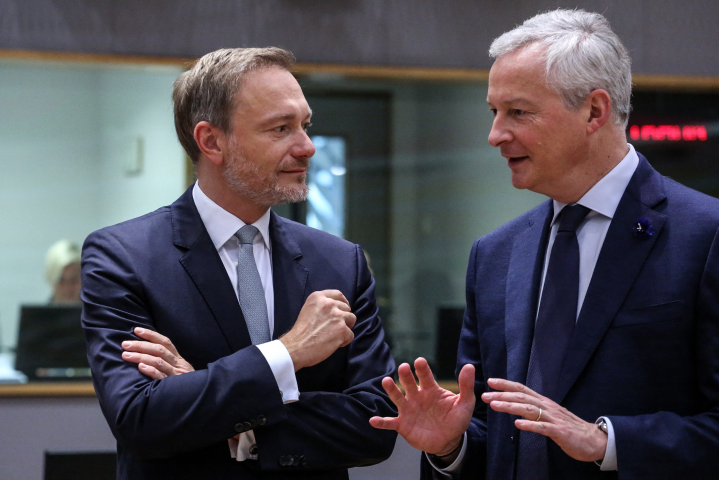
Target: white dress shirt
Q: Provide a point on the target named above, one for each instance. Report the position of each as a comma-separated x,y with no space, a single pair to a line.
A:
221,225
602,200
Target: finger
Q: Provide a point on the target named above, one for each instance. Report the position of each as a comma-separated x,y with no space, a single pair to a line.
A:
350,319
336,295
155,337
543,428
385,423
466,384
148,348
526,410
509,386
155,362
349,336
342,306
394,393
406,379
424,373
150,371
512,397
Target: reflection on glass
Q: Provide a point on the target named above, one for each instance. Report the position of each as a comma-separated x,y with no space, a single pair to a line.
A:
326,179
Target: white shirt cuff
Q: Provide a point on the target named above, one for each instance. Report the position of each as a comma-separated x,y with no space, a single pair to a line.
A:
609,464
456,465
282,368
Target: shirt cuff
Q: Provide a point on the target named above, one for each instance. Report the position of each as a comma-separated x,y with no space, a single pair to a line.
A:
609,464
456,466
282,368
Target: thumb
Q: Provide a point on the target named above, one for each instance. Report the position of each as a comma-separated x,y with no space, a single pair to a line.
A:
466,384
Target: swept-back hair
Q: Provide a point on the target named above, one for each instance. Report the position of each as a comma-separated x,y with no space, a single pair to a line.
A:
582,54
206,91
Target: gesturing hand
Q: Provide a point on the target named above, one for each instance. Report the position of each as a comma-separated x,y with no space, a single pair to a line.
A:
430,418
157,358
580,440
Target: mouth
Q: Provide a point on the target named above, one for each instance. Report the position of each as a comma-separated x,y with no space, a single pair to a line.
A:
516,160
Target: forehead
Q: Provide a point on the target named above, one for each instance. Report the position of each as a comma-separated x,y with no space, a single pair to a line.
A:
518,74
268,90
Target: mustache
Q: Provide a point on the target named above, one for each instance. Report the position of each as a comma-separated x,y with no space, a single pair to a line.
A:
292,164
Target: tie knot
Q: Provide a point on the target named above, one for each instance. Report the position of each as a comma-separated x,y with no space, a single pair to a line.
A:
571,217
247,234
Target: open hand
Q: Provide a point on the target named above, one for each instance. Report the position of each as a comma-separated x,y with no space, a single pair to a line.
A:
157,357
430,418
580,440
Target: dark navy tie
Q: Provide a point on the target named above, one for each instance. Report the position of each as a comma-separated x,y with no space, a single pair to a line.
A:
552,332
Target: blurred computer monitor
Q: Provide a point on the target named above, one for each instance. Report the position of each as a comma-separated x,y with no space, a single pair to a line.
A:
51,343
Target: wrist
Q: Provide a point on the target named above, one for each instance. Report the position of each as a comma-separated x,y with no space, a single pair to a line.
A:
451,450
602,436
293,351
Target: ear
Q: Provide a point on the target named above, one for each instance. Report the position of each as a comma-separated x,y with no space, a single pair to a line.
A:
211,141
600,110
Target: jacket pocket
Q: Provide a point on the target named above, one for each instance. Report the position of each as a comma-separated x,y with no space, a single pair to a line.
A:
650,314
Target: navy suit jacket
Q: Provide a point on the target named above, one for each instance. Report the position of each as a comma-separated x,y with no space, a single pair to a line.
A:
161,271
645,351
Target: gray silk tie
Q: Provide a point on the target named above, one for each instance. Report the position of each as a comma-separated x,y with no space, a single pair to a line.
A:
249,286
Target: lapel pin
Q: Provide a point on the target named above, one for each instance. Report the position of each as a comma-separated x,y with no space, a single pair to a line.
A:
642,228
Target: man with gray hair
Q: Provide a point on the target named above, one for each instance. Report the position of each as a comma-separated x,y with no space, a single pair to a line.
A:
283,351
592,321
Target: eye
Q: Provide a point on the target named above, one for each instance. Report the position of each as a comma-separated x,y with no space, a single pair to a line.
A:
494,111
517,112
306,126
281,128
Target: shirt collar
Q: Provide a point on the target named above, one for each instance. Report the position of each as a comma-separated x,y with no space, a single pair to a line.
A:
221,225
605,195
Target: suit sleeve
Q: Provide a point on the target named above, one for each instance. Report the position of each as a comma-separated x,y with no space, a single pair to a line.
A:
474,461
664,445
331,429
178,414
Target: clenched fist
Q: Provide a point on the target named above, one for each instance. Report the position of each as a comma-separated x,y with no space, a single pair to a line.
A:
324,325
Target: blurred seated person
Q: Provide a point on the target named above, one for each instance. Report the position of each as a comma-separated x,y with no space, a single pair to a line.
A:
62,271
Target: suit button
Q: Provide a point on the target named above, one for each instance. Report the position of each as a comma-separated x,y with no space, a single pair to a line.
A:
303,460
247,426
285,460
261,420
239,428
253,449
253,423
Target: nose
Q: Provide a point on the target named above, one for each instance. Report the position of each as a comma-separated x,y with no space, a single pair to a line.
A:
304,148
499,133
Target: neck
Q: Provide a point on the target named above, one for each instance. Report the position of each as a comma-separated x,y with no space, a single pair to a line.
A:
602,156
219,192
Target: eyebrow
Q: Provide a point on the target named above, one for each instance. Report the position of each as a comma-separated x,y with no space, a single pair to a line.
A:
288,116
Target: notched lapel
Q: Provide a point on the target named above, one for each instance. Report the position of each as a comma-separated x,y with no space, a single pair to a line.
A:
621,259
523,277
203,265
289,276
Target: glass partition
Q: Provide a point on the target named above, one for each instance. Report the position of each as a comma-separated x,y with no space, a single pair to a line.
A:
402,168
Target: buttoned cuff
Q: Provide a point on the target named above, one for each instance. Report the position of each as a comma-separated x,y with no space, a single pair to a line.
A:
456,466
609,464
282,368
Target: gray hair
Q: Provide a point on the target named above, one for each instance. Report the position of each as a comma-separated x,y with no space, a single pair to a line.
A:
206,91
582,54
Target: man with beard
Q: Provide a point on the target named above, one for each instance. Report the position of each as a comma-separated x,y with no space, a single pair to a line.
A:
283,350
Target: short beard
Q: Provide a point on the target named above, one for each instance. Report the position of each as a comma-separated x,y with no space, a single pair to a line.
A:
247,180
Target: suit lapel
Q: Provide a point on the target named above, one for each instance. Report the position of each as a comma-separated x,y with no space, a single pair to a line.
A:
289,276
621,259
203,265
523,278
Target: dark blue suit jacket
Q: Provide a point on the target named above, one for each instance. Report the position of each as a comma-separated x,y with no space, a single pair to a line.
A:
161,271
645,352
